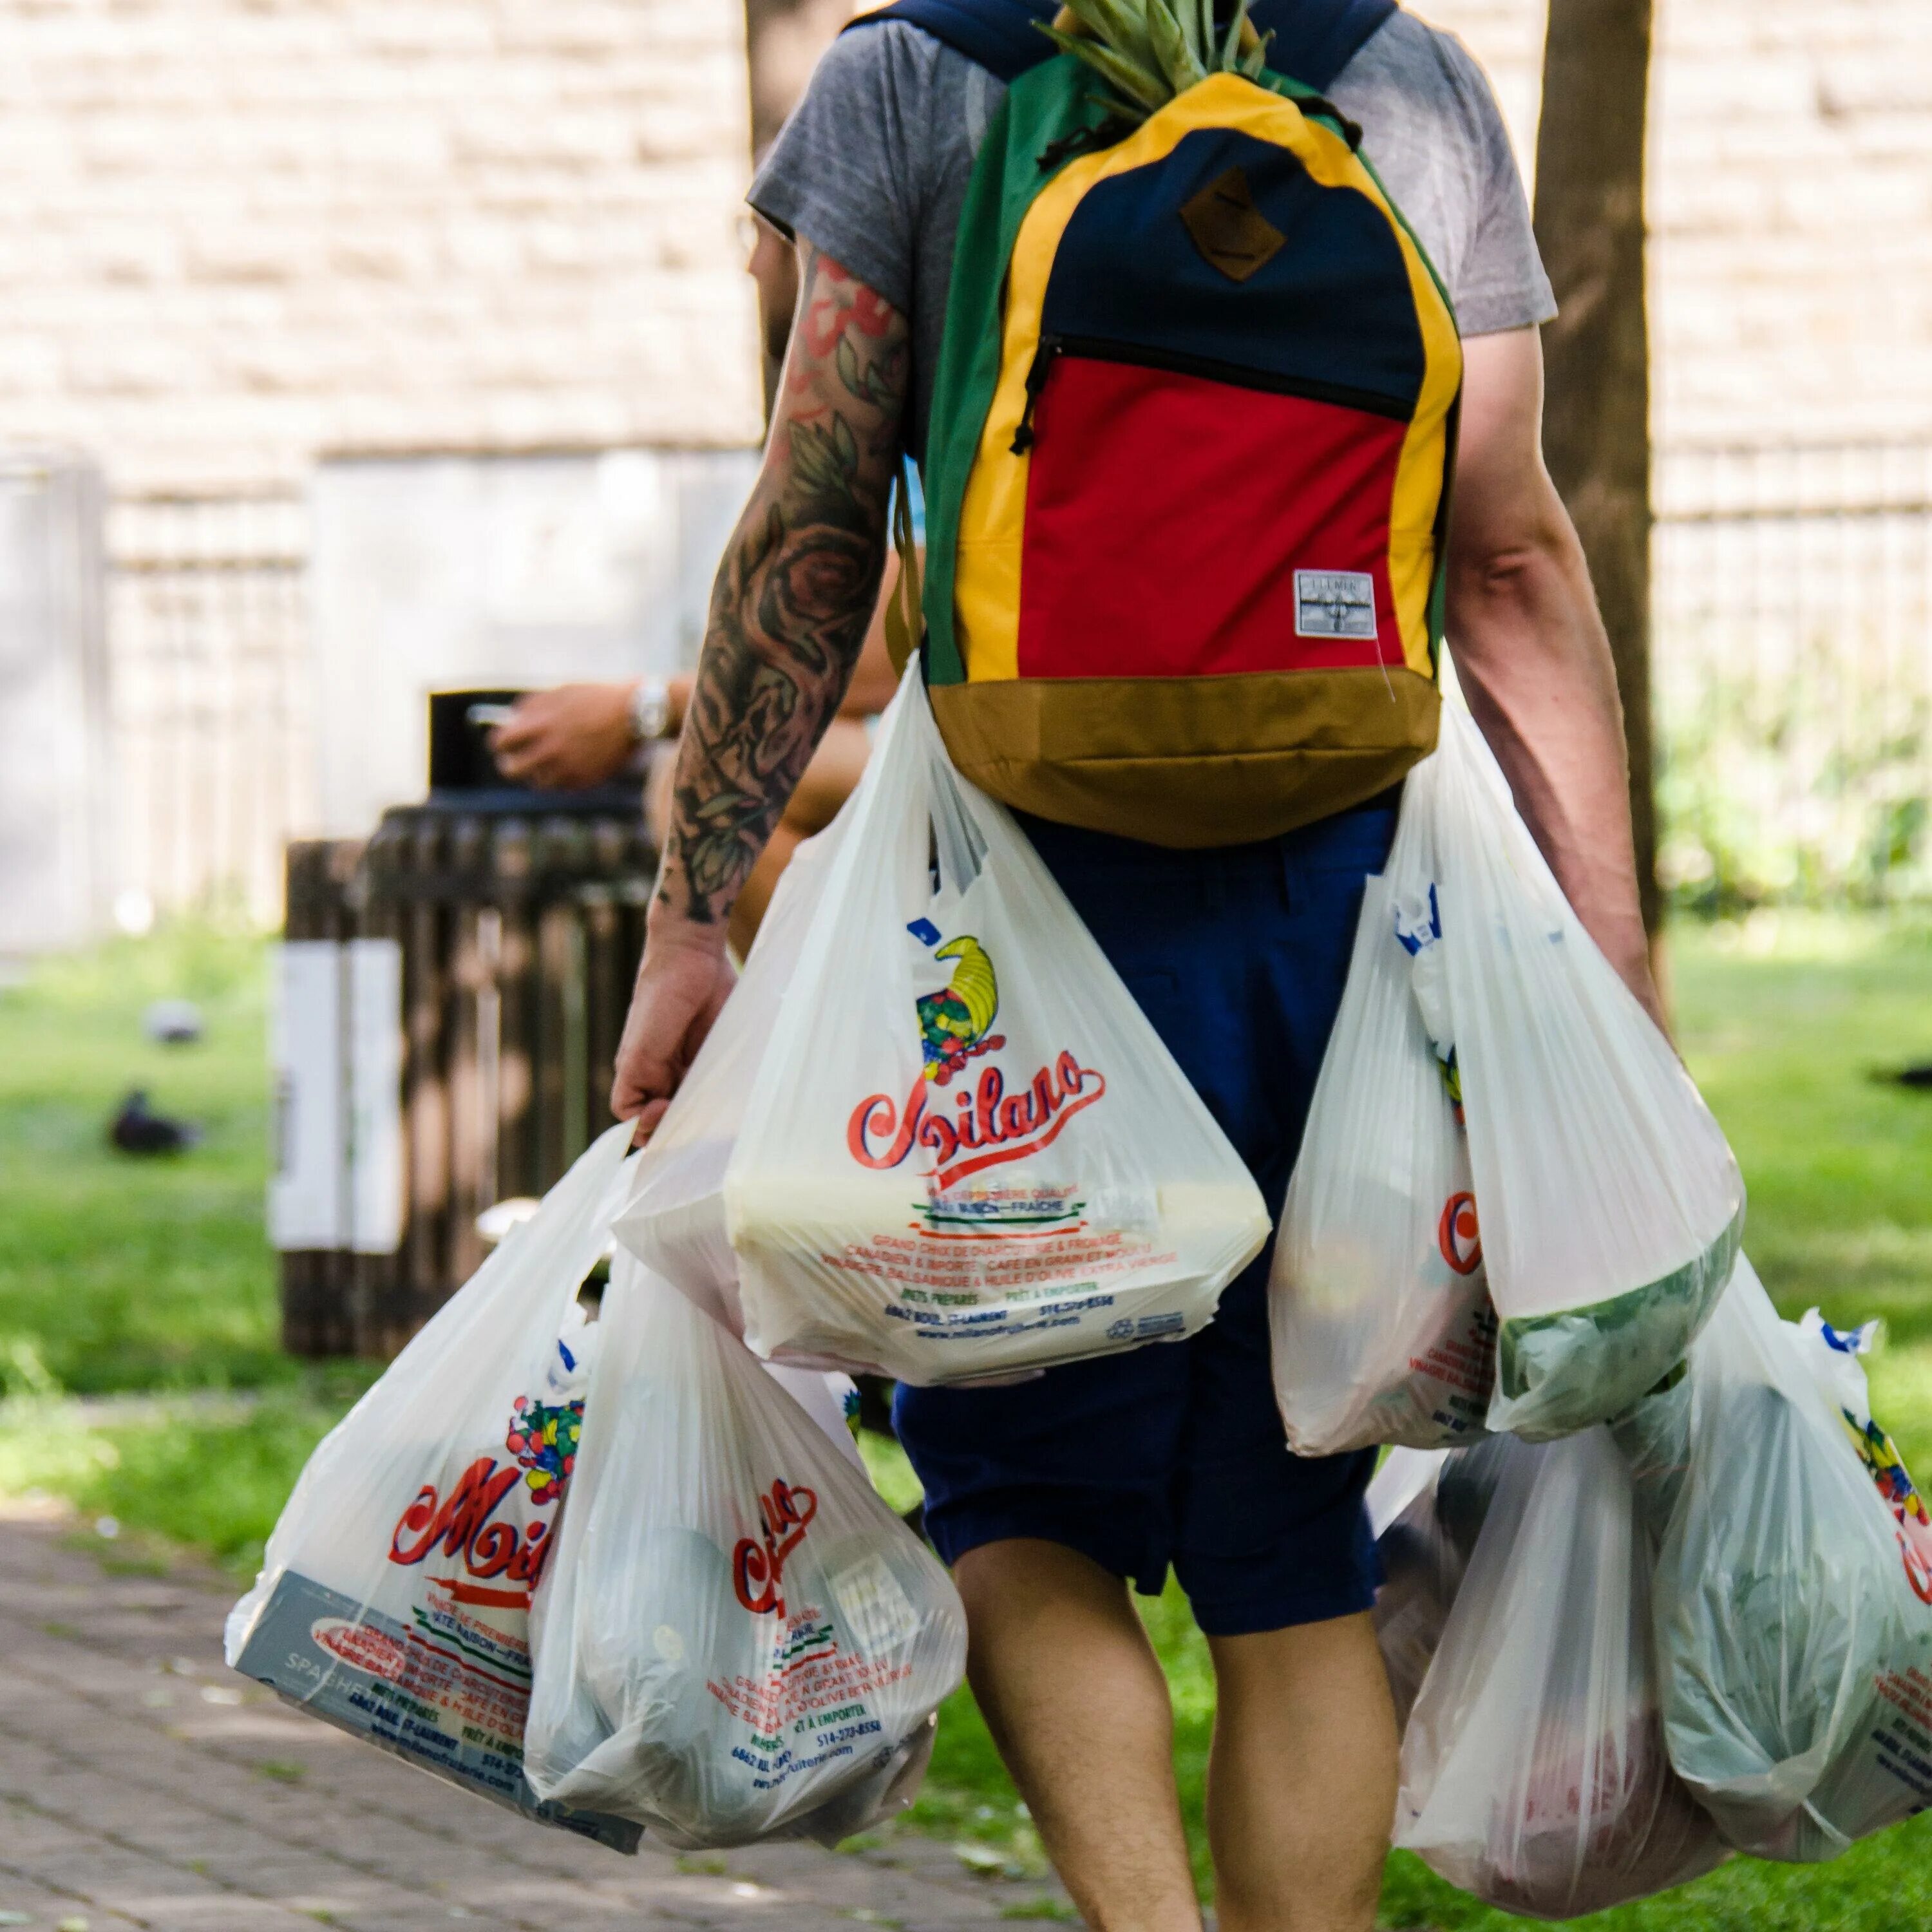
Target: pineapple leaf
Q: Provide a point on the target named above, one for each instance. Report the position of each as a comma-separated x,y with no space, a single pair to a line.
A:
1117,26
1170,47
1122,75
1230,47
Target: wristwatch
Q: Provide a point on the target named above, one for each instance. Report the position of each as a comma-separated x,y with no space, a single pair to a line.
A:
650,709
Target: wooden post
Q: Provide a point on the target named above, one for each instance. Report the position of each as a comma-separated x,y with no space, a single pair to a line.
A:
378,1303
304,1282
518,1168
426,996
564,1032
317,1283
467,989
1590,227
607,971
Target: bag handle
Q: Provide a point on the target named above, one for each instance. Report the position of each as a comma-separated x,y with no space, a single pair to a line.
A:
904,611
958,845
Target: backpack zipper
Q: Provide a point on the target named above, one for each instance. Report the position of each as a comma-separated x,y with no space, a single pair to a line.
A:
1097,349
1049,346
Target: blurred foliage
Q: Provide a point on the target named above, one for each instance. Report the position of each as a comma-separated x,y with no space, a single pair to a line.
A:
1808,790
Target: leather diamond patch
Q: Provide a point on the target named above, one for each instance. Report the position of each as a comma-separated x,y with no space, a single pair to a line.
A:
1232,234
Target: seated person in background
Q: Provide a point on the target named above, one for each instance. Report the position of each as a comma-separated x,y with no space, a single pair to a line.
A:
580,735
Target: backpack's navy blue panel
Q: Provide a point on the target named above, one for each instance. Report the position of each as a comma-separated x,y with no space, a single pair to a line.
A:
1333,306
999,35
1315,40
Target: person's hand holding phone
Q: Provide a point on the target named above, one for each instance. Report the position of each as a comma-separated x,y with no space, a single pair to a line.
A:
568,739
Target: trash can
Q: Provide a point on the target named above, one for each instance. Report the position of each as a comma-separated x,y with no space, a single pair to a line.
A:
450,993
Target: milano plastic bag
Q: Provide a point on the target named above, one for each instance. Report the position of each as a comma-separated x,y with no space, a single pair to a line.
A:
1379,1304
1794,1592
965,1152
1612,1209
394,1598
741,1642
1533,1770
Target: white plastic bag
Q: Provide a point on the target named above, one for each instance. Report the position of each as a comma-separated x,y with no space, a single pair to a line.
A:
1378,1299
1533,1771
394,1597
1426,1508
1836,1360
1794,1592
741,1641
1612,1209
675,1217
966,1152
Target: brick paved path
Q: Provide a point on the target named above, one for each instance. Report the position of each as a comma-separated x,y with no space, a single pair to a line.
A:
141,1783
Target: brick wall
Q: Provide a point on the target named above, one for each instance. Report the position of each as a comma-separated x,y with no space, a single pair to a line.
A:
237,234
234,234
1791,206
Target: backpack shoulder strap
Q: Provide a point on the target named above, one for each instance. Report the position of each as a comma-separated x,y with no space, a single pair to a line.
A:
999,35
1315,40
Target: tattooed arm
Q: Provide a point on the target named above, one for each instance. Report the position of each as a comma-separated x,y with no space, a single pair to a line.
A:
788,617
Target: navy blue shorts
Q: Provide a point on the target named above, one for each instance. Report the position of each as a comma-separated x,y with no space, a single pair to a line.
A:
1174,1453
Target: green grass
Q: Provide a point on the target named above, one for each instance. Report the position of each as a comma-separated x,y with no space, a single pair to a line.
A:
120,1275
1839,1164
117,1272
212,1479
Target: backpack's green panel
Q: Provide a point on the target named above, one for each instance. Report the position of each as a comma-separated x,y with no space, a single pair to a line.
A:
1042,107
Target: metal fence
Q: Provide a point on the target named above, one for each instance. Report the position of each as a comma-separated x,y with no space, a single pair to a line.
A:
1792,668
207,636
1792,672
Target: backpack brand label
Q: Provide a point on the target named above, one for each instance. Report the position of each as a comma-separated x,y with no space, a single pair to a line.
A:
1334,604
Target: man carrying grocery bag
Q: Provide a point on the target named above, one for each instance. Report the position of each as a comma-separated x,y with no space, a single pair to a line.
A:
1185,375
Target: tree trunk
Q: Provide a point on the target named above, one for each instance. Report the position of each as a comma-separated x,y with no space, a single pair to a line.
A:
1596,435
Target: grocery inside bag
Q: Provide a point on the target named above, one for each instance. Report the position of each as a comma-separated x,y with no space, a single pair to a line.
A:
1534,1773
1610,1207
741,1641
395,1595
932,1133
1378,1298
1794,1590
1426,1508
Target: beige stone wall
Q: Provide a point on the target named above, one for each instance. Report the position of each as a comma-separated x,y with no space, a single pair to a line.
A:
1791,206
1792,210
235,235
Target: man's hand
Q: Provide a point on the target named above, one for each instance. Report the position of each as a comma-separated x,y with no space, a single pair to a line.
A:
788,617
566,739
1532,654
682,985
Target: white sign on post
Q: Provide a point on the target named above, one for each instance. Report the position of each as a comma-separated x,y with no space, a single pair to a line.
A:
305,1190
375,1096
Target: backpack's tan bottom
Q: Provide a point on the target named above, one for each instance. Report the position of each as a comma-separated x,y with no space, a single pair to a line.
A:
1189,761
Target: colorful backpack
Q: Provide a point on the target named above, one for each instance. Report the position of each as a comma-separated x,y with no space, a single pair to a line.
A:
1187,472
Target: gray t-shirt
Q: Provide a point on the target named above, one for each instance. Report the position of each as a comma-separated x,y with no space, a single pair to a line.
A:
872,168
